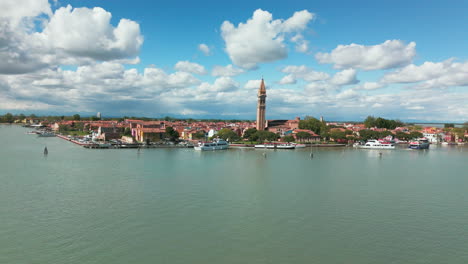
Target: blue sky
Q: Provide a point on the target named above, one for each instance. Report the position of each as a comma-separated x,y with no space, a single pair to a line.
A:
342,60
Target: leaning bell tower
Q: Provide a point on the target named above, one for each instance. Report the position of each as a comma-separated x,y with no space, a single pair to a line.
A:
261,105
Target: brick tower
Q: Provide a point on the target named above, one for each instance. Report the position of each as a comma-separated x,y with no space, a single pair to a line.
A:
261,105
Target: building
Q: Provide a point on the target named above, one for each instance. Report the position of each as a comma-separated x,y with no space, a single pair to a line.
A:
261,106
98,115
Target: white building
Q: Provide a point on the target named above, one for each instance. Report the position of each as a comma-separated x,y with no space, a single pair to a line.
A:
433,138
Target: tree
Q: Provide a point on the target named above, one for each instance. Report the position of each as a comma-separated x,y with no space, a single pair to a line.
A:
21,117
127,132
313,124
171,133
264,135
449,125
76,117
199,135
288,138
465,125
250,134
337,134
369,122
228,134
402,135
415,134
8,118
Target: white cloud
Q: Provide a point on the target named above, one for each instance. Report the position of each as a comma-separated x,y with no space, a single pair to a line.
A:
288,79
205,49
228,71
390,54
253,84
344,77
15,11
370,86
191,67
431,75
302,45
69,36
222,84
261,39
88,33
305,73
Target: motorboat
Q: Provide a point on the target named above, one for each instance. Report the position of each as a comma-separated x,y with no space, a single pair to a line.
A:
375,144
420,143
216,144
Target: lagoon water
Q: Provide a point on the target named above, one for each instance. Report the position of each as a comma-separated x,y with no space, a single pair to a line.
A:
181,206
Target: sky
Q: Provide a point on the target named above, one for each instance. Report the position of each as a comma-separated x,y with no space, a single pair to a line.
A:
343,60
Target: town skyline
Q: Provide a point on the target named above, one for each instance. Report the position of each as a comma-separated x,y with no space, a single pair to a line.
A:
206,61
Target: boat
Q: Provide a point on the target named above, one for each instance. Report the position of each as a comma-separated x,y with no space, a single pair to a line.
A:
216,144
420,143
276,146
46,134
375,144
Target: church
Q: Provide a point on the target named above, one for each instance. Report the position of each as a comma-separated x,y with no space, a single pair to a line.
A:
280,127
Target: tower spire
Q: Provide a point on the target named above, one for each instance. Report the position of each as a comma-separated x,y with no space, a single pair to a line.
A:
261,106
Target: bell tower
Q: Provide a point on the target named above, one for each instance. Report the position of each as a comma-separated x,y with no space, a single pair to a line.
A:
261,105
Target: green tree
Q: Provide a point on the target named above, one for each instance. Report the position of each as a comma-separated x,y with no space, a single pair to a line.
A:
465,125
337,134
402,135
251,134
127,132
76,117
228,134
369,121
415,134
8,118
171,134
288,138
449,125
21,117
313,124
199,135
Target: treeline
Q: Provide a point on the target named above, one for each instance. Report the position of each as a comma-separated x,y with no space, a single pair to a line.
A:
380,122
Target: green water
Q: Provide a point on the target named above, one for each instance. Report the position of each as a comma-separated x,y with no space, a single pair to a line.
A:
181,206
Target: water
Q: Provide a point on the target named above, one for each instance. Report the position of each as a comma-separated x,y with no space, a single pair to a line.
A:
180,206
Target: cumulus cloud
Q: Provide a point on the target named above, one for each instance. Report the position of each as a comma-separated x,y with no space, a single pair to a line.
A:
302,45
88,33
205,49
344,77
370,86
288,79
253,84
390,54
191,67
222,84
69,36
431,75
228,71
261,39
305,73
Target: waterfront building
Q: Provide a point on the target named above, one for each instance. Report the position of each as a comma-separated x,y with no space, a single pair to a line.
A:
261,106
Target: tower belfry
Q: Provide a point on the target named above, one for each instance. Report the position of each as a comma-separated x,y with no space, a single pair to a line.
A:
261,105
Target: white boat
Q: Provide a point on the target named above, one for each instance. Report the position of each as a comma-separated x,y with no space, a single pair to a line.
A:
276,146
216,144
375,144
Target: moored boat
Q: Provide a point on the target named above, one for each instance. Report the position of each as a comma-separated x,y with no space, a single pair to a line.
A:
375,144
276,146
421,143
216,144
